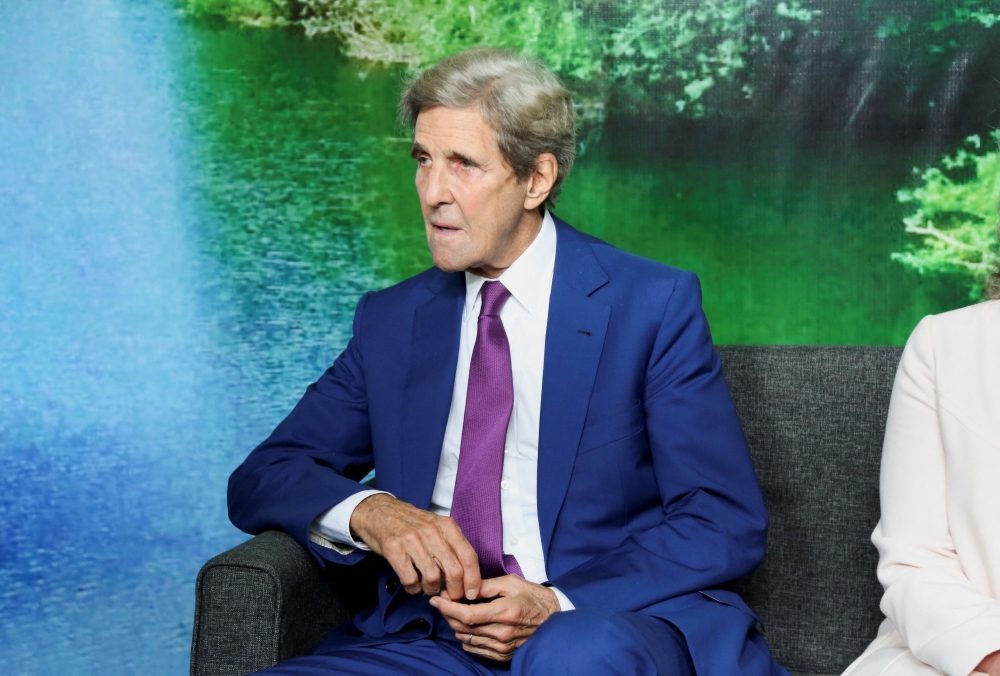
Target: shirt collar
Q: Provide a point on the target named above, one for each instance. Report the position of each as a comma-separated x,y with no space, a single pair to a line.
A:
528,278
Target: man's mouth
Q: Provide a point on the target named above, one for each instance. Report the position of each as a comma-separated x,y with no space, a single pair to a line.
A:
444,227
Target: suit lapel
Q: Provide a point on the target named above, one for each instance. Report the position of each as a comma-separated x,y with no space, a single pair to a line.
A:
574,340
430,380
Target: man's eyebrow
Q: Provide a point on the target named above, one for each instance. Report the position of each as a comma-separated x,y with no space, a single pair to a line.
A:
416,149
464,158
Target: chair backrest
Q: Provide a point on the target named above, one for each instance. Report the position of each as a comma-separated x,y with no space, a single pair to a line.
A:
814,418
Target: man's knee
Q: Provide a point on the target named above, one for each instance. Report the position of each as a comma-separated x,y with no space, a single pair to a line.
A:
597,642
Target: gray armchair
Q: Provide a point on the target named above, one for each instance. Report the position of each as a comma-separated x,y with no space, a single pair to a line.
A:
814,418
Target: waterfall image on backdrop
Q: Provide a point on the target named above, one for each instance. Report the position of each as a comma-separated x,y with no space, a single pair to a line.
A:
195,193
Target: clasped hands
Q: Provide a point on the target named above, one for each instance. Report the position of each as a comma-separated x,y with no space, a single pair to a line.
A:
425,549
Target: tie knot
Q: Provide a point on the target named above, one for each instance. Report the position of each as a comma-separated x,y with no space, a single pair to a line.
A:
494,296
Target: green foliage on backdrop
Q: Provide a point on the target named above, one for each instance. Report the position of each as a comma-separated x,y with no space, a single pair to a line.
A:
668,54
665,58
934,17
956,215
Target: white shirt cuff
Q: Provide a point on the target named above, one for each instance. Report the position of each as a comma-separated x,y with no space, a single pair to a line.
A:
332,528
564,603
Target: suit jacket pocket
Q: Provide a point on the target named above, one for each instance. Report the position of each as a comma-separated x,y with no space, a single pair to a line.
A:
607,429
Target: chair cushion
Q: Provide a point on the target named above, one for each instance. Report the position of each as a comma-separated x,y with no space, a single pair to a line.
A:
814,418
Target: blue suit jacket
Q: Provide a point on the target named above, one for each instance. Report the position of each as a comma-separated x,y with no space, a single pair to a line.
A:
647,498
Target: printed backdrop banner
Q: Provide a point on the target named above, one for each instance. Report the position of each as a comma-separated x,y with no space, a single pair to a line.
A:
195,193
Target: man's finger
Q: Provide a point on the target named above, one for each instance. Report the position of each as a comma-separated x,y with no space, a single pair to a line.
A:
488,647
470,584
423,561
505,585
487,643
451,609
397,558
504,633
441,547
451,582
476,614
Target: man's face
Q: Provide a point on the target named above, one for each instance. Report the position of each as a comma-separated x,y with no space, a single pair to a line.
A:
473,204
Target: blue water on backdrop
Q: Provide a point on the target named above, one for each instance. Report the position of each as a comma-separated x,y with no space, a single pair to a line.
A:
134,373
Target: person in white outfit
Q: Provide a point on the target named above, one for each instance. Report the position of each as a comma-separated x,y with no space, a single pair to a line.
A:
939,535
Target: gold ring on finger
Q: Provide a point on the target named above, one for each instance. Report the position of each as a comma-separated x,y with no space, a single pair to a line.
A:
470,640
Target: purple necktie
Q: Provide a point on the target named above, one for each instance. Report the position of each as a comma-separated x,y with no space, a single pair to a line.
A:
488,404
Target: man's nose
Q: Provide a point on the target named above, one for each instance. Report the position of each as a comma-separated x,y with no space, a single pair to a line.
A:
436,189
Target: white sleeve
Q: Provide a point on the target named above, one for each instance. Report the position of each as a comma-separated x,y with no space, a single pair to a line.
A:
946,622
332,528
564,602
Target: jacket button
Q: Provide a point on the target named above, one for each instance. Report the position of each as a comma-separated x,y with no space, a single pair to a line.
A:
391,585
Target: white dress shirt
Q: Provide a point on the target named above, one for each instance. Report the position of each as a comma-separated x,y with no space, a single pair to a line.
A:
525,319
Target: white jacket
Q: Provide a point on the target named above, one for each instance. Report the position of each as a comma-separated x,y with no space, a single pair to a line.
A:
939,535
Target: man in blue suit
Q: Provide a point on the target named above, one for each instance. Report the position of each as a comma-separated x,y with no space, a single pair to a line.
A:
563,484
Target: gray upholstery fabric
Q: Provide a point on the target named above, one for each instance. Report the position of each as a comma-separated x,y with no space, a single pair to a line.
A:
265,601
814,418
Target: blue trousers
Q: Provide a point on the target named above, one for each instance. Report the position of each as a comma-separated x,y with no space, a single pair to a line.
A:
572,643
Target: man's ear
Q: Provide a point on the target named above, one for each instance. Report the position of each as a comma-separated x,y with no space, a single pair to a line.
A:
540,183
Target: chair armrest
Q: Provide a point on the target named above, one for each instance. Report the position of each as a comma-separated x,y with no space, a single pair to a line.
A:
265,601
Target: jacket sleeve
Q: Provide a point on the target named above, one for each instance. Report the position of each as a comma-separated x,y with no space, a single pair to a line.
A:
945,621
714,524
313,460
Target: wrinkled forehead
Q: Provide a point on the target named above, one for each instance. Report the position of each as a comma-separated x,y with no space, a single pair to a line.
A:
439,129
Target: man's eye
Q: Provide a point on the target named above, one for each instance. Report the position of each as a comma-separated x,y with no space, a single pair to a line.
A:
423,161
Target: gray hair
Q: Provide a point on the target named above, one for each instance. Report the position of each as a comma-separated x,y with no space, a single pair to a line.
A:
518,96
